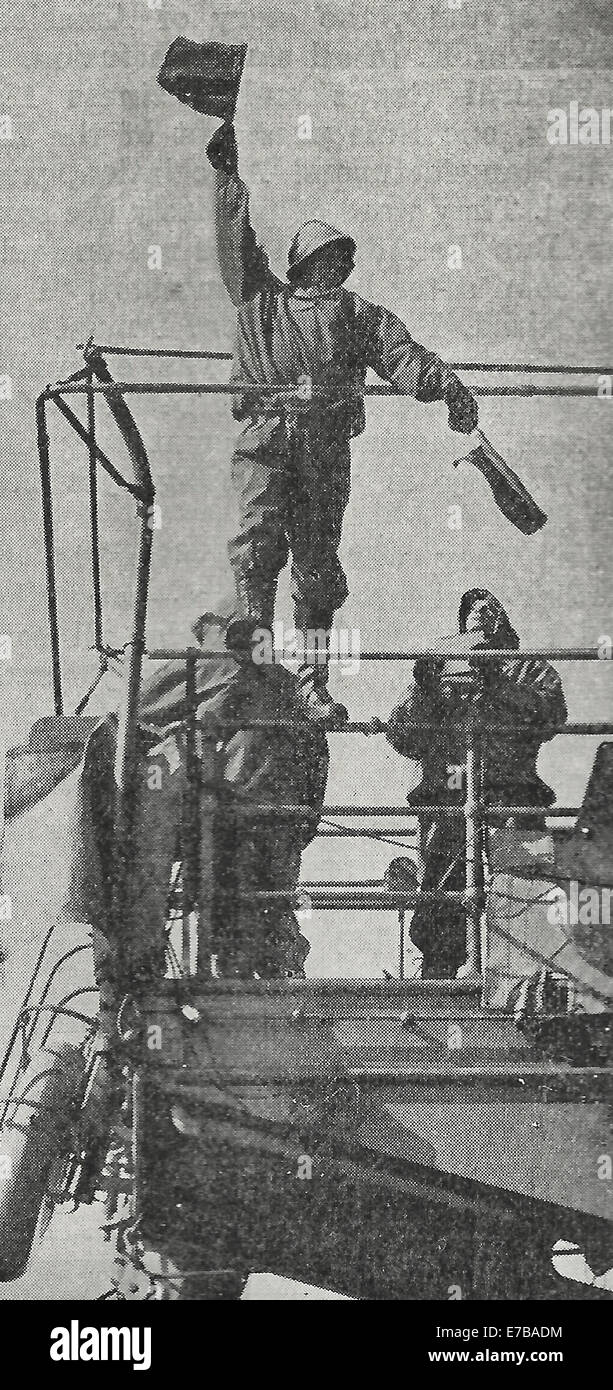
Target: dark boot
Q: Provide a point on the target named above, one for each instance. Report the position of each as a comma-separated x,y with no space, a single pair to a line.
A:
312,678
255,609
255,598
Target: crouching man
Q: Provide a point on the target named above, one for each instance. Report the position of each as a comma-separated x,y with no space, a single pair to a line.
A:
261,752
515,705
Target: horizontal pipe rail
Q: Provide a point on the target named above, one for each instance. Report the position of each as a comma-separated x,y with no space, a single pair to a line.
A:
274,809
340,832
198,353
243,388
511,1074
424,654
526,390
385,899
320,884
520,1073
366,727
206,355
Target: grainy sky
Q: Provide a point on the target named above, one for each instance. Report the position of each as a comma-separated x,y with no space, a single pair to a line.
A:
428,131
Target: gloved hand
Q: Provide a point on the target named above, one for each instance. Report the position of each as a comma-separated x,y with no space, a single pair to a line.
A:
461,689
222,150
463,408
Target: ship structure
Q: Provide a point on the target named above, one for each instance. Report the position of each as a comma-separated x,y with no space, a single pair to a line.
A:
164,1050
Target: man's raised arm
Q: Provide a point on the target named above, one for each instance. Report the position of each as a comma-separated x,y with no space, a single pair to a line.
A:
411,368
243,264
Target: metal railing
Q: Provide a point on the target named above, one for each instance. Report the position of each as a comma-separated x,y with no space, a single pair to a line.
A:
476,810
95,376
95,379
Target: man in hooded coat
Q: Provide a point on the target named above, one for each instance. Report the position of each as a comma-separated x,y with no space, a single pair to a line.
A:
517,704
291,466
244,850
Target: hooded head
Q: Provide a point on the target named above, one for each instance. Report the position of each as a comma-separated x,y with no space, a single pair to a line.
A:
226,630
210,628
318,247
481,611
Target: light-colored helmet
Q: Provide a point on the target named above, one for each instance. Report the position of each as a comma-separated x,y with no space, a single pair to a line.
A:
311,237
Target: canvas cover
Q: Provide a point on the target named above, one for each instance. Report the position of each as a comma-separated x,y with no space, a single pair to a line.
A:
56,865
537,923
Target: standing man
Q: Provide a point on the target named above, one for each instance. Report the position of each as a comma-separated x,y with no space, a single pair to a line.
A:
291,466
516,705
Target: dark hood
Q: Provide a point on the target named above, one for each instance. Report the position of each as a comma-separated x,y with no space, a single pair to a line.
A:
506,635
162,698
212,626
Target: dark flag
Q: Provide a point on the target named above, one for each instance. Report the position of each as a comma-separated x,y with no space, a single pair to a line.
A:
512,497
205,76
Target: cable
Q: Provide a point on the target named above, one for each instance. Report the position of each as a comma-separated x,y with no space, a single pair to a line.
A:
380,838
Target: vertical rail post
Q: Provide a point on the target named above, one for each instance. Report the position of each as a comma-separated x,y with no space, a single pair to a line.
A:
45,481
191,828
207,811
93,511
138,1115
472,816
126,734
2,778
125,758
401,920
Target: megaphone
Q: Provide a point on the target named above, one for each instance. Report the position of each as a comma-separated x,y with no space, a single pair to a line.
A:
511,496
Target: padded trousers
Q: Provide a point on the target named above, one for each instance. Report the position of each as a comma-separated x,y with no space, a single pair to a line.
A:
292,494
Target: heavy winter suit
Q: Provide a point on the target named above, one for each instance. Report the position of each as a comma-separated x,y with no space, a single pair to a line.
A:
524,694
291,467
248,850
